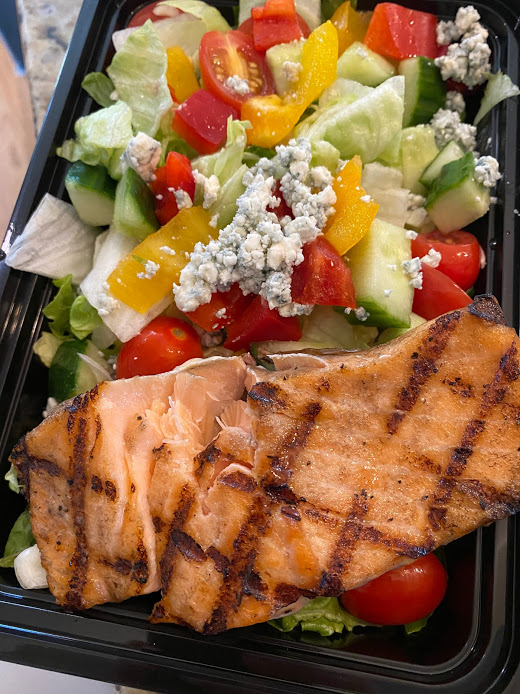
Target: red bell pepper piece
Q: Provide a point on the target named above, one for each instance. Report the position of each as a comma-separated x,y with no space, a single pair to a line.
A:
202,121
175,174
439,294
247,27
322,278
276,22
233,301
397,32
260,323
283,209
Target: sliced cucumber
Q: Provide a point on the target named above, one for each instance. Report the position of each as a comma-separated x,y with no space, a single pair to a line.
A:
92,192
375,265
456,199
276,56
361,64
418,150
134,213
391,333
425,90
450,152
69,375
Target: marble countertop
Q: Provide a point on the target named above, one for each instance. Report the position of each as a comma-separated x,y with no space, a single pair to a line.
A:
46,28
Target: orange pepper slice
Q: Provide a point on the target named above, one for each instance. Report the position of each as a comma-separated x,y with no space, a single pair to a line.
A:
351,25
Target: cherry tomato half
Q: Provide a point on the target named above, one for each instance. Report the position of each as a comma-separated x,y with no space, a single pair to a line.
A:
399,596
439,294
145,13
460,253
160,346
228,55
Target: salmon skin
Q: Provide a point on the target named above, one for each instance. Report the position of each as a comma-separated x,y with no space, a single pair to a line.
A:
338,468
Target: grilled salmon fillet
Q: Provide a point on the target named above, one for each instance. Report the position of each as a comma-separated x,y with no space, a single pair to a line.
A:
338,468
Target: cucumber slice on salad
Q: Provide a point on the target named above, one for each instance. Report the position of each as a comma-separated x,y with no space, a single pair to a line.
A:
69,374
425,90
134,213
418,150
456,199
92,192
276,56
361,64
382,288
450,152
391,333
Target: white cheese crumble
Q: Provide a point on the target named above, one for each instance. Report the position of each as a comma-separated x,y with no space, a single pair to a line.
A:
487,171
468,60
214,221
392,267
210,187
182,199
416,215
447,126
455,102
142,154
107,303
167,250
51,405
221,312
237,85
365,198
255,250
412,235
361,52
433,258
150,270
361,313
387,292
291,70
413,269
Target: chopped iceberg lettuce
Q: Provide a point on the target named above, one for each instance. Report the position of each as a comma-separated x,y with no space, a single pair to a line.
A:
46,347
498,88
11,476
213,20
20,538
327,328
138,72
322,615
100,88
343,87
224,163
224,208
57,311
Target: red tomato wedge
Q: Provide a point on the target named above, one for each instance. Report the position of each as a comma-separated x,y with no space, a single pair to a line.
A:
223,309
283,209
160,346
260,323
460,253
398,33
142,15
247,27
400,596
322,278
202,121
439,295
175,174
233,55
276,22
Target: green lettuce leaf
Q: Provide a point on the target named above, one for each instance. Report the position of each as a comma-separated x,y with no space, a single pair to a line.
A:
324,154
99,87
11,476
20,538
138,72
226,204
498,88
101,138
324,616
327,328
58,310
46,347
414,627
254,153
211,17
229,159
84,318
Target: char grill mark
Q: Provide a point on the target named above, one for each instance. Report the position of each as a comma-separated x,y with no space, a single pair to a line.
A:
267,395
221,561
241,567
423,367
350,534
487,307
239,480
507,372
180,517
24,463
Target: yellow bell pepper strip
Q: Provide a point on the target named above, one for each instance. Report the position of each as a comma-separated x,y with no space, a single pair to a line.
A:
180,74
273,118
353,215
351,25
140,286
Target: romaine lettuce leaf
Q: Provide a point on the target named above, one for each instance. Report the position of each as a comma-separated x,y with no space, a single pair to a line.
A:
20,538
84,318
322,615
138,72
101,138
211,17
498,88
58,310
228,160
99,87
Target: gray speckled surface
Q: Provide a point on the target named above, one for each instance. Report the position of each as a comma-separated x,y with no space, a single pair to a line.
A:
46,28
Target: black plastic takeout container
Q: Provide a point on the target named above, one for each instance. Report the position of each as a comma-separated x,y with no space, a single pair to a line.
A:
472,642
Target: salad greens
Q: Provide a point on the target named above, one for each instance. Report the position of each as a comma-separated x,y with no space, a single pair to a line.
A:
20,538
100,88
498,88
324,616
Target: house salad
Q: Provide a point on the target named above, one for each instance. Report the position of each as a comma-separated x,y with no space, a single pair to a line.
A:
301,180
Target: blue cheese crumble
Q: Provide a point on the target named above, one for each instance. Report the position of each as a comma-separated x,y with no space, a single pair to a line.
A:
237,85
207,187
256,249
455,102
150,270
447,126
142,154
182,199
487,171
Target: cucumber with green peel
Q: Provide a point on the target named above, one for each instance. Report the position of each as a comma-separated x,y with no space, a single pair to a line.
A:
69,374
92,192
134,213
382,288
418,150
456,199
276,56
450,152
425,90
391,333
361,64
